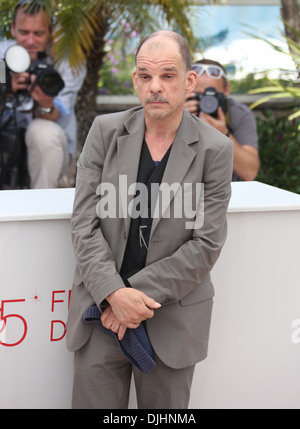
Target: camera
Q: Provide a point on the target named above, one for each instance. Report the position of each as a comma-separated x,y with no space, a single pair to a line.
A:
47,78
17,60
210,101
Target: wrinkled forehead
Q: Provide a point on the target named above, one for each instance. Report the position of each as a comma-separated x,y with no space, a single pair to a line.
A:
159,52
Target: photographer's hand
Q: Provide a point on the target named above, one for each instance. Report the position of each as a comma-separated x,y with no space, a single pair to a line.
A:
218,123
19,81
43,102
191,106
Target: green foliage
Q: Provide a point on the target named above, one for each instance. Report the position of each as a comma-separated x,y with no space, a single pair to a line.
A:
78,22
6,9
247,83
118,64
279,89
116,72
279,149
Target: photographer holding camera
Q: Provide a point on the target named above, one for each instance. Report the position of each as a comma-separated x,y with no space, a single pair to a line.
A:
45,98
211,103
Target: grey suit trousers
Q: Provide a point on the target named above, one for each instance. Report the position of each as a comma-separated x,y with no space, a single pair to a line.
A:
102,378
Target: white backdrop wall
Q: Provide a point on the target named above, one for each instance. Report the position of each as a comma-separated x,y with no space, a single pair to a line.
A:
254,350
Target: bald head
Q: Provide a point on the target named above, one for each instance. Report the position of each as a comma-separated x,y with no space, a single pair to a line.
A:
162,38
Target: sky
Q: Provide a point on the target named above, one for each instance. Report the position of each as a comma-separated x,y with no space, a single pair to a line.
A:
238,48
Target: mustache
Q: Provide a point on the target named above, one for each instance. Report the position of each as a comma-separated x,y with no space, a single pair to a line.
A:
156,99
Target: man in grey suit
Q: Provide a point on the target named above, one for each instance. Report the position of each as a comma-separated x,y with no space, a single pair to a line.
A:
143,263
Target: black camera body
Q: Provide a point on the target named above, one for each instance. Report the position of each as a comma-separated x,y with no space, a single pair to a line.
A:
47,78
17,60
210,100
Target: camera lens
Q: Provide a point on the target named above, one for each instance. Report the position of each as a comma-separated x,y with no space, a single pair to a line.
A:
50,82
209,104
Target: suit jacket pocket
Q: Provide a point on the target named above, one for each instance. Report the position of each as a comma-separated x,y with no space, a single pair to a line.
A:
204,291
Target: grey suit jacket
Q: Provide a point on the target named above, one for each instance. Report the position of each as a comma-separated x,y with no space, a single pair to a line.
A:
179,260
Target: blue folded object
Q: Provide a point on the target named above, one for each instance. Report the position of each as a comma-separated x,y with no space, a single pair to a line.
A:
135,345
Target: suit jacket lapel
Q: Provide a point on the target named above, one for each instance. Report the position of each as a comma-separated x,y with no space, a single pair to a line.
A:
180,159
129,151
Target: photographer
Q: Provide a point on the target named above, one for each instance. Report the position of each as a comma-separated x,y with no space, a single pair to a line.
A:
231,118
51,123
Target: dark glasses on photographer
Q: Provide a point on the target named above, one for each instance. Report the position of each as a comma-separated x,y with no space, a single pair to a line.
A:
215,72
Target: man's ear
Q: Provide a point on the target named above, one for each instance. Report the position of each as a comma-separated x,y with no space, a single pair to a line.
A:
134,79
191,80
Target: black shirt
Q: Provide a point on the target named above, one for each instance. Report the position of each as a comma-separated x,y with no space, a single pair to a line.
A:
150,174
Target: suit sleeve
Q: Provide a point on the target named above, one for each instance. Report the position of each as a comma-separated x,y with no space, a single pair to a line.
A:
169,279
94,257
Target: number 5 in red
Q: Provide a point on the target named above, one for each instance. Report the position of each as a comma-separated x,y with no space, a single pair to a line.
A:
17,316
